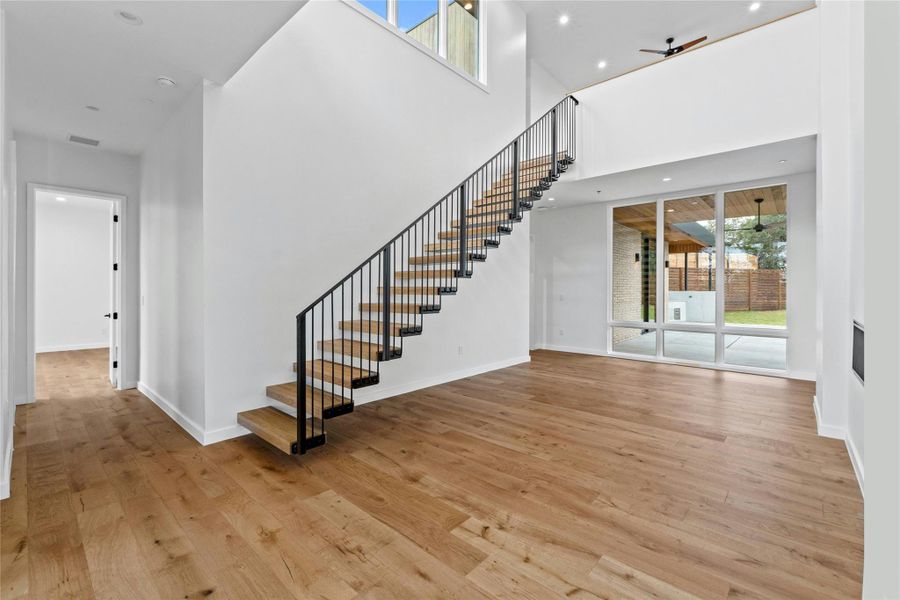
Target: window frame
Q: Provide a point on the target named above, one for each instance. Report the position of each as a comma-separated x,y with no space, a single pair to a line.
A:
660,325
440,56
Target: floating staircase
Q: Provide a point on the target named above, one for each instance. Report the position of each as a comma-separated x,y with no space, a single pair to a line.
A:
361,322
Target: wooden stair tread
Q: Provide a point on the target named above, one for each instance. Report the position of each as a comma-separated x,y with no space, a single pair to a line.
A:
346,376
414,290
374,327
473,244
497,219
318,400
355,347
408,308
443,274
442,258
477,231
278,428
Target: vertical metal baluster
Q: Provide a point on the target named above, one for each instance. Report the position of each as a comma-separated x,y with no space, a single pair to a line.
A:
301,381
463,232
386,307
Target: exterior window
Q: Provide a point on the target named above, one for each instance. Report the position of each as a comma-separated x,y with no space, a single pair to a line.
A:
633,340
634,263
756,257
419,19
462,34
690,236
449,28
717,292
379,7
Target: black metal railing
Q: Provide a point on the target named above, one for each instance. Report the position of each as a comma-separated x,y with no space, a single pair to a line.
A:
361,321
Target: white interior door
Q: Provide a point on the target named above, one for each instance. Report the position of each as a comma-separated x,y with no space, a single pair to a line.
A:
113,314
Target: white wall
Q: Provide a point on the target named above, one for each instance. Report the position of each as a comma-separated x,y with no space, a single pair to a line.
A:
63,164
72,273
571,264
856,396
316,154
172,266
544,91
7,276
881,578
748,90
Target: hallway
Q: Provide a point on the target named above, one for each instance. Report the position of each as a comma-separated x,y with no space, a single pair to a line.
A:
572,476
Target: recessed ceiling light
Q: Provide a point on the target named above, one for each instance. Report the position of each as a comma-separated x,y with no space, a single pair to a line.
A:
127,17
92,108
551,199
782,161
563,19
164,81
468,6
60,199
601,64
755,6
667,179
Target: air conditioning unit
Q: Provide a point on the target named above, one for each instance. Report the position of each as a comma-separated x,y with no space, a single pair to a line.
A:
677,311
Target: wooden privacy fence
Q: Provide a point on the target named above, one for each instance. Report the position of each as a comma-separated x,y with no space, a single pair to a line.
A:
745,289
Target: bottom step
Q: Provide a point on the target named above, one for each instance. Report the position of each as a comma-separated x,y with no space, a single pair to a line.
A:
280,429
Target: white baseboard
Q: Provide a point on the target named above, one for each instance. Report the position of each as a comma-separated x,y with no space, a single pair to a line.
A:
857,463
68,347
7,467
198,433
128,385
411,386
167,407
224,433
829,431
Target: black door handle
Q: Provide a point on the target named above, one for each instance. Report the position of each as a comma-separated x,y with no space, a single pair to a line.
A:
107,315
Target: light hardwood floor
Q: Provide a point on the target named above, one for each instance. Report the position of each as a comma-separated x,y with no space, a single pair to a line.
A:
570,477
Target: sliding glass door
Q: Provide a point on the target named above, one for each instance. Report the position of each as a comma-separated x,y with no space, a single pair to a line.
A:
702,279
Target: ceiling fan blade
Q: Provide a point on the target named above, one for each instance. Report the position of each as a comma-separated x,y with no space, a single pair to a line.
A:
663,52
687,45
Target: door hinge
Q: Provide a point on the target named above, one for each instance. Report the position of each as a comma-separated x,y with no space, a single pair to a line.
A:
115,364
115,266
115,218
115,315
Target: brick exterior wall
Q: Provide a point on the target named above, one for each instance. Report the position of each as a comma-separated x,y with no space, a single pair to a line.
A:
626,280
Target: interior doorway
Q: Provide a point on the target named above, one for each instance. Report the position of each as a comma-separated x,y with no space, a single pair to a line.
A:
75,278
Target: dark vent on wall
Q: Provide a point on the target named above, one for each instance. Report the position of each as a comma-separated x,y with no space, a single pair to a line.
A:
83,140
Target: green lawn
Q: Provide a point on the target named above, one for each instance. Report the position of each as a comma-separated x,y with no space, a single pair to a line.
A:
777,318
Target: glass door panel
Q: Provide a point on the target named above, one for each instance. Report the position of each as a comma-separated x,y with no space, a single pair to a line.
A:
690,259
756,257
634,263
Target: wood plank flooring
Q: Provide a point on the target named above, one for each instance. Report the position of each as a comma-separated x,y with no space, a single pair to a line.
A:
570,477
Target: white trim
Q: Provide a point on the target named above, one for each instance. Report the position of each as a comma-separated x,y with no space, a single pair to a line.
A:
5,484
175,413
479,83
829,431
224,433
67,347
857,463
121,202
389,392
189,425
803,375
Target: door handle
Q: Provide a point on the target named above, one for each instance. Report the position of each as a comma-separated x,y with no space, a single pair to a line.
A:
107,315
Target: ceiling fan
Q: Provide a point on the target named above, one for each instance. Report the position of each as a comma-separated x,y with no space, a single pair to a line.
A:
759,227
670,51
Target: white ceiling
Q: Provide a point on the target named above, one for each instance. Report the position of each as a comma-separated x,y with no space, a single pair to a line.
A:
757,162
64,56
615,30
